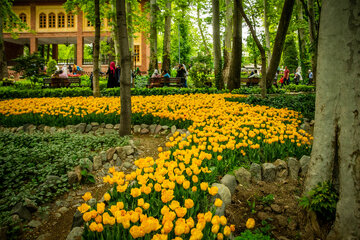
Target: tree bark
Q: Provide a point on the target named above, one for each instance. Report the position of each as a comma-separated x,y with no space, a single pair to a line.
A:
217,44
261,49
267,32
301,35
153,36
228,34
3,65
335,154
279,41
130,32
167,36
114,33
234,78
125,78
201,31
313,38
96,89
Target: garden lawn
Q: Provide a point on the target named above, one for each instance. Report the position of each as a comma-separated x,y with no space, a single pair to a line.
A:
26,161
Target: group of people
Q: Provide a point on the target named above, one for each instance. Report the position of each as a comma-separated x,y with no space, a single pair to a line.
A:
285,79
181,73
67,71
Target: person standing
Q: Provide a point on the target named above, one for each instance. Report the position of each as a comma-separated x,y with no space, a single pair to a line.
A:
181,74
286,76
276,78
112,78
117,74
310,77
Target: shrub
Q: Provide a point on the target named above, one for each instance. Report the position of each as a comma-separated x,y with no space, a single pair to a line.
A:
248,235
51,67
322,200
30,66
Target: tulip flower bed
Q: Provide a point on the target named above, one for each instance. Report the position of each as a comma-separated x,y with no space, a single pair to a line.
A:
170,197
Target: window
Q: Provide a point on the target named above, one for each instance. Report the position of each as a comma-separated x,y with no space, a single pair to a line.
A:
61,20
52,20
137,53
70,20
89,24
22,17
42,22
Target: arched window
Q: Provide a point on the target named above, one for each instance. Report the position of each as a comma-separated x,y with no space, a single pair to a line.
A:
22,17
70,20
52,20
61,20
42,22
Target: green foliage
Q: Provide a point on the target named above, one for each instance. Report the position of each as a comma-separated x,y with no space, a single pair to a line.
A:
26,161
290,54
304,103
51,67
267,200
200,70
30,66
322,200
300,88
248,235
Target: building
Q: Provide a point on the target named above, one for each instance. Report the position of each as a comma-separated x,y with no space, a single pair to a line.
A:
50,24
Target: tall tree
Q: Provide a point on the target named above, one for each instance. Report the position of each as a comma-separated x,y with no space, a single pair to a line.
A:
130,30
199,22
96,77
167,38
267,32
153,36
261,49
279,40
217,44
234,77
301,38
335,155
3,65
227,40
125,78
313,37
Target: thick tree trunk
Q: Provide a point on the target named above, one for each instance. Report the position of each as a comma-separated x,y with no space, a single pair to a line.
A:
279,41
201,31
261,49
313,38
96,89
336,150
301,35
3,65
114,33
125,78
267,32
217,44
228,34
167,40
130,31
153,36
234,78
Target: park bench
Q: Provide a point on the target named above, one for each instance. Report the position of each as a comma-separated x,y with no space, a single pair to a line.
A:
61,82
161,82
251,81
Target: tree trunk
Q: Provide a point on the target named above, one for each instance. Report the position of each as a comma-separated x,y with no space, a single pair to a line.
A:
130,32
153,36
115,34
125,78
313,38
335,154
234,78
3,65
167,35
301,34
217,44
96,90
228,34
267,33
261,49
201,31
279,41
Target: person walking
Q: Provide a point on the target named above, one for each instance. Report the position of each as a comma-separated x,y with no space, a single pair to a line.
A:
286,76
310,77
112,76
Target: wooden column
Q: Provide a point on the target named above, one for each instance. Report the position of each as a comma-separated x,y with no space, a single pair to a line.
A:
55,51
79,40
33,39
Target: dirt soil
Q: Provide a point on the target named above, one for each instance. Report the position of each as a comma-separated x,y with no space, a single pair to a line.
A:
54,228
281,218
